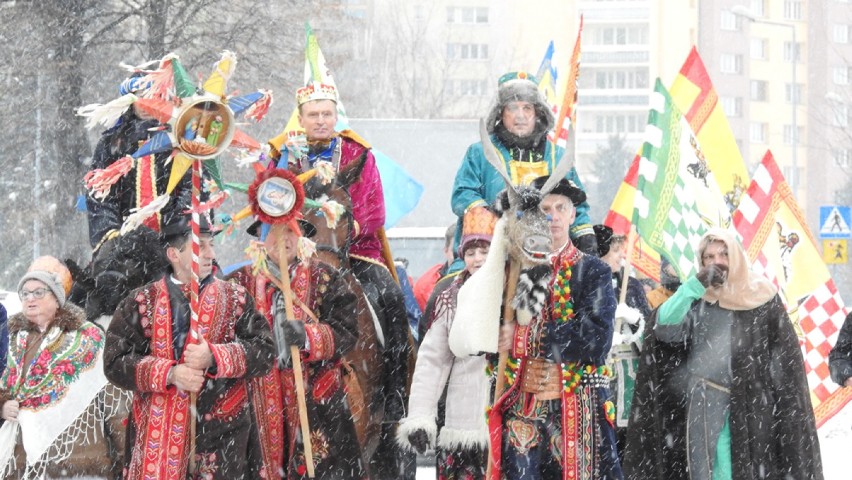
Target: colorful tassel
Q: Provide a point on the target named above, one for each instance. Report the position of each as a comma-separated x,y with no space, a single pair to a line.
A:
215,201
256,251
139,215
259,109
100,181
106,114
332,212
325,171
307,248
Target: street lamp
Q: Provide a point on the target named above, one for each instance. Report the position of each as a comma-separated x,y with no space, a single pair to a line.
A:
742,11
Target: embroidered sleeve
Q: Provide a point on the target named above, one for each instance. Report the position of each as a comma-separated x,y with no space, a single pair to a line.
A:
321,339
230,359
519,342
152,374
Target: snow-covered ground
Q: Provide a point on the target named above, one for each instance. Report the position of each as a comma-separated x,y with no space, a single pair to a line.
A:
835,440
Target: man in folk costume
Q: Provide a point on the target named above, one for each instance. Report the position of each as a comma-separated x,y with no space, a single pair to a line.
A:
556,418
317,103
324,330
184,387
630,318
721,391
518,124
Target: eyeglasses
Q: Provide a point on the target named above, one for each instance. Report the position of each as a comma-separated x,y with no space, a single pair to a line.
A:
38,294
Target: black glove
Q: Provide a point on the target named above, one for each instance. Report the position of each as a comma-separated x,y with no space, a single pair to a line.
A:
294,333
587,244
712,275
419,439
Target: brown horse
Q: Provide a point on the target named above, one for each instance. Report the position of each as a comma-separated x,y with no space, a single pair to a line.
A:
363,364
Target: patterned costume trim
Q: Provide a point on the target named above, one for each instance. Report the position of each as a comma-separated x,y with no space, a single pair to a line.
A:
152,374
230,360
227,407
321,341
55,369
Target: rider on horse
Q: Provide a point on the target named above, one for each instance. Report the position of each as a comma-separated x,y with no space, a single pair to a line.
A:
318,115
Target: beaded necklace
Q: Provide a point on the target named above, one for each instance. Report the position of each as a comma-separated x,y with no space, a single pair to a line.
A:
561,301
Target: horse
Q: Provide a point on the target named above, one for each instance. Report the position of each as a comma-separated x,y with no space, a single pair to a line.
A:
364,363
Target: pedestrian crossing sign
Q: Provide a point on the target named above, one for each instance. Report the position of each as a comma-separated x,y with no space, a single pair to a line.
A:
835,221
834,251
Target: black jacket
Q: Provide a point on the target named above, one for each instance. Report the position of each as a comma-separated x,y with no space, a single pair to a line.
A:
840,358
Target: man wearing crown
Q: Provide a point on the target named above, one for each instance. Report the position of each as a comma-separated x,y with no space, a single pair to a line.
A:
518,124
317,103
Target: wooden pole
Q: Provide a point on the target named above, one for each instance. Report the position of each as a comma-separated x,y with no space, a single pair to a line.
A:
625,273
387,255
284,286
503,359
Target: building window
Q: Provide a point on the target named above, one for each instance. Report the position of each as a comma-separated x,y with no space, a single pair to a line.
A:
731,63
467,51
788,134
730,21
842,157
793,93
732,106
467,15
793,9
620,79
759,90
618,35
840,114
758,49
757,132
757,6
841,33
792,52
841,75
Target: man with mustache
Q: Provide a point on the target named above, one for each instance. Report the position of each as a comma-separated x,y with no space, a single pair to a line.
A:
721,390
518,123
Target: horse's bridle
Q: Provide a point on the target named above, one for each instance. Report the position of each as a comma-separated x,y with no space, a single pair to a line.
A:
342,253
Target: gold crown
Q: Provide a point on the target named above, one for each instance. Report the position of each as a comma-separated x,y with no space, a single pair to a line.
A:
316,91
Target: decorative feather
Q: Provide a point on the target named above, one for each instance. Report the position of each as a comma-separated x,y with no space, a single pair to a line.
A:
297,145
100,181
139,215
106,114
307,248
215,201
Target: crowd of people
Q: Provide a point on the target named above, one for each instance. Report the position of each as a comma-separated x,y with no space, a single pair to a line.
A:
697,378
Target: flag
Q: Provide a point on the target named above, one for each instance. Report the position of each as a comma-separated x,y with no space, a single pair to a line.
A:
693,93
677,198
401,191
547,78
567,113
777,239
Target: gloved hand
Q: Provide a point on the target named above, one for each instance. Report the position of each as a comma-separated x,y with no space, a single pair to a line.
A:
712,275
419,439
294,333
587,244
627,314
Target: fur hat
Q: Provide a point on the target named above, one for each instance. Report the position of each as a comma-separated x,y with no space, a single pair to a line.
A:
51,272
604,236
565,187
478,224
520,86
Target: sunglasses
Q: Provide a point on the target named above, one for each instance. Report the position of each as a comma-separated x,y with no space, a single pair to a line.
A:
37,294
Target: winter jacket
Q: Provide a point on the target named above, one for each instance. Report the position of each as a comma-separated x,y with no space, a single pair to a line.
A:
840,358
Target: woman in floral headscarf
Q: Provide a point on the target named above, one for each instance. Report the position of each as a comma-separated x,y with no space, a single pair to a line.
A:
50,392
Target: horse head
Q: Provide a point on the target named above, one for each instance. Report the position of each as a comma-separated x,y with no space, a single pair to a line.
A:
334,236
